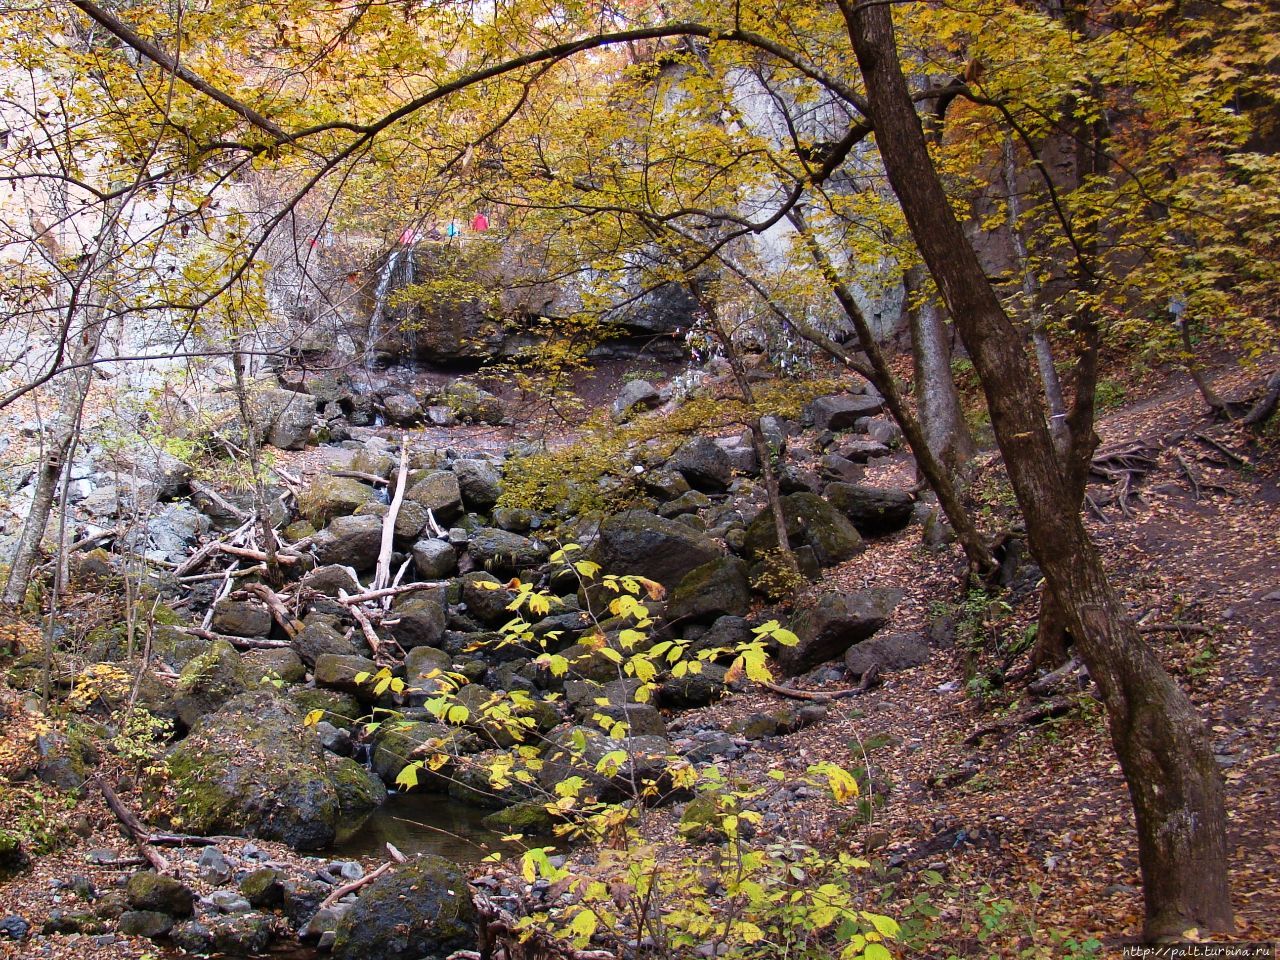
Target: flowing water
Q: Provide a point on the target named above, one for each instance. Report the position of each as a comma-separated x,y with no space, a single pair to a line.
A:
422,823
397,272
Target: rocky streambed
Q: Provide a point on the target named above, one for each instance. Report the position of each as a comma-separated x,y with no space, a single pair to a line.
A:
398,562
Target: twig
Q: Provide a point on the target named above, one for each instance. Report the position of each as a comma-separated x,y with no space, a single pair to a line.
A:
371,478
1191,477
366,627
353,599
1176,626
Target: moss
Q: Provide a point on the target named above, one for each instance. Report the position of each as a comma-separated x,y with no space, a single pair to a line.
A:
358,790
340,709
528,817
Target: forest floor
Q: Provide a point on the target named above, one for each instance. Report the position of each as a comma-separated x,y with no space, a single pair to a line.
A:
1024,839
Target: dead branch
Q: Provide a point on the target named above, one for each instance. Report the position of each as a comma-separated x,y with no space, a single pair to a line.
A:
275,604
285,559
366,627
1224,450
1073,671
383,575
222,502
821,696
358,598
243,643
1033,714
1187,472
91,541
137,830
197,559
233,573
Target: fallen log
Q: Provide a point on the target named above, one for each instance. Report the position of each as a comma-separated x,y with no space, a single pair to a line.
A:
284,559
1033,714
370,478
136,829
243,643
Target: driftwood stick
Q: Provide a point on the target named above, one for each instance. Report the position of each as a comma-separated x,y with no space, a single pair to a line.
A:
1176,626
812,695
233,573
354,885
138,832
358,598
383,575
285,559
197,559
244,643
1042,686
275,604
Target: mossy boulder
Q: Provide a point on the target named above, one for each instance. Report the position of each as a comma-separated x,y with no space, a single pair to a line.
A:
148,890
503,552
636,541
336,672
422,910
340,709
421,622
439,492
702,821
528,817
810,521
208,681
494,779
330,497
350,542
252,769
715,589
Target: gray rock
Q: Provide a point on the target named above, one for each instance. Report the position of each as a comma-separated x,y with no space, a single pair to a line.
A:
170,475
214,867
834,623
317,638
842,411
887,652
481,483
402,409
703,464
860,451
350,541
489,606
634,396
810,521
434,559
329,579
339,673
840,469
242,618
144,923
330,497
148,890
439,492
873,510
421,622
503,552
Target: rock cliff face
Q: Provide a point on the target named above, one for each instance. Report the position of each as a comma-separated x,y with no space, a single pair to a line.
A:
485,298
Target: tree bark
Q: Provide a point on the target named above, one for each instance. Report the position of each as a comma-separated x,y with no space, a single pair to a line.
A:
1160,741
941,416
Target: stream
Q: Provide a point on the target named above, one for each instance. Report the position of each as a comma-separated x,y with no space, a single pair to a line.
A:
422,823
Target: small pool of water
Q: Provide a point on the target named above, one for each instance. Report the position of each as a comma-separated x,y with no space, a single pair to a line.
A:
422,823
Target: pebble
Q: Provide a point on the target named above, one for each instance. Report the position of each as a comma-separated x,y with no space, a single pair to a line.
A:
228,901
102,856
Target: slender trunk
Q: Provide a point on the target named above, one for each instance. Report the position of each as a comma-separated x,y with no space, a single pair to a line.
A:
941,416
1160,740
262,515
971,540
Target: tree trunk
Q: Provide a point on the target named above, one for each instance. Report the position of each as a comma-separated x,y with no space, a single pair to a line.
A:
941,416
1160,741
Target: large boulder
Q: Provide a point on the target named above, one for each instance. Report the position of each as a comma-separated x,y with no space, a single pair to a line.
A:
421,910
330,497
338,672
170,475
873,510
842,411
242,618
712,590
834,623
503,552
318,637
704,464
810,521
252,770
439,492
282,418
471,404
663,550
481,483
890,651
402,409
350,541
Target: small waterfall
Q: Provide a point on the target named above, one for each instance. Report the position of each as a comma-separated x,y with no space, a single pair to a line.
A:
396,272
